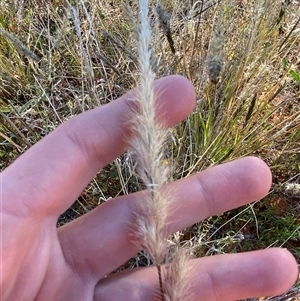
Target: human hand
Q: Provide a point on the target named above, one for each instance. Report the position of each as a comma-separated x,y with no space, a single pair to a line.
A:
41,262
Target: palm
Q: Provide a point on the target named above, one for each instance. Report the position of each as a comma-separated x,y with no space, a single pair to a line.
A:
40,262
36,264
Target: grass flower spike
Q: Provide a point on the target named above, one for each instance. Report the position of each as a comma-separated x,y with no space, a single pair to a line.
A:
148,147
215,58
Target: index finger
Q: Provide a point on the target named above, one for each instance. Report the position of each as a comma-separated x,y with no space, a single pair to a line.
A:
48,178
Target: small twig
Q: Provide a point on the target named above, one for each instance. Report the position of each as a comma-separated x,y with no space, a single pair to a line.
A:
291,31
76,21
206,8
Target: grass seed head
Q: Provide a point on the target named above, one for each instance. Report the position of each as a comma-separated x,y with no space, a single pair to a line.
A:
214,61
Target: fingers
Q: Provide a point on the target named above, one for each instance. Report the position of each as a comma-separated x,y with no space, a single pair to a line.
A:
97,237
49,176
216,278
246,275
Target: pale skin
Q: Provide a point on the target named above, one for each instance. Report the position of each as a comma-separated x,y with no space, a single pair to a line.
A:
41,262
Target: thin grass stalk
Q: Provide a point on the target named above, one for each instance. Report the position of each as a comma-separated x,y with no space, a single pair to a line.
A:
84,55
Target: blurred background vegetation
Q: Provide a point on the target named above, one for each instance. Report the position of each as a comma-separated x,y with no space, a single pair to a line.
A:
61,58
